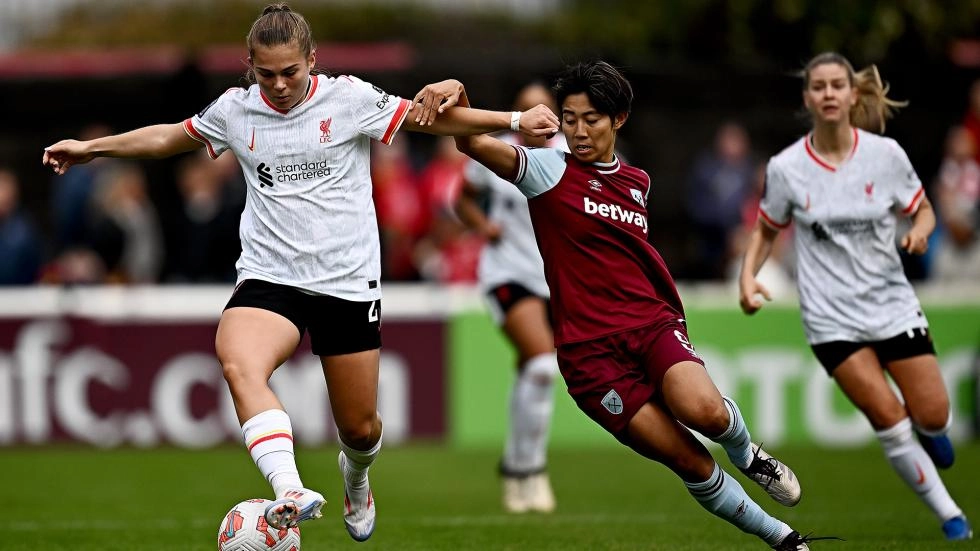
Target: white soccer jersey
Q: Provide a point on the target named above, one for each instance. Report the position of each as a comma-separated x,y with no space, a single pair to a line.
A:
514,257
309,219
850,277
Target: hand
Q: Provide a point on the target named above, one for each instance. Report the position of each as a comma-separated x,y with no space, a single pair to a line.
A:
62,155
436,98
538,121
915,242
748,295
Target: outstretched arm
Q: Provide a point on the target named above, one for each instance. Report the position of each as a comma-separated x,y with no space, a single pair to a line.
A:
149,142
760,245
442,108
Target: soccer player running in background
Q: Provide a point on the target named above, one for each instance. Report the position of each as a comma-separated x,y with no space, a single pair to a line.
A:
623,348
845,187
511,276
310,252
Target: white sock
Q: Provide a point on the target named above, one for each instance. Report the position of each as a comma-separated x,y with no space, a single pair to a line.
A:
269,439
358,463
531,404
913,465
735,439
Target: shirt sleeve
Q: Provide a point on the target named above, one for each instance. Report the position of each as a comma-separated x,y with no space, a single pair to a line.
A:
538,170
210,126
377,113
776,206
907,191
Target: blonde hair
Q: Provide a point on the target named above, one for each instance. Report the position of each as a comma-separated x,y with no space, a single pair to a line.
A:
873,107
279,25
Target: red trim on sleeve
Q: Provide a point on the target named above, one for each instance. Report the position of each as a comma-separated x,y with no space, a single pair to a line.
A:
270,437
194,134
765,218
914,204
396,122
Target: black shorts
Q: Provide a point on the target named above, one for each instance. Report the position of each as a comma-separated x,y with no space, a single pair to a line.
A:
336,326
914,342
503,297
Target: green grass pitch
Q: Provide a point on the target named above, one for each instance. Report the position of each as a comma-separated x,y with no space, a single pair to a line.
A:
433,498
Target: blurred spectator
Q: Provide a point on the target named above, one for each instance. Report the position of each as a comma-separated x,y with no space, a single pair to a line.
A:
957,194
719,184
20,247
777,273
971,121
448,252
401,215
202,237
72,196
125,230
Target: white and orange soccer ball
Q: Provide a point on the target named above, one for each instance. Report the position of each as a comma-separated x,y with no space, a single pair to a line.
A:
244,529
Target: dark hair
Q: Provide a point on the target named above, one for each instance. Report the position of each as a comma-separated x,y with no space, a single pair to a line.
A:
276,26
873,107
607,89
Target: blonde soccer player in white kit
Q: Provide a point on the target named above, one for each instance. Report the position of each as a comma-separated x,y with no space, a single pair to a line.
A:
845,187
310,248
511,277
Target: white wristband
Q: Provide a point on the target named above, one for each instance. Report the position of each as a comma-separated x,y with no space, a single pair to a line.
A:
515,121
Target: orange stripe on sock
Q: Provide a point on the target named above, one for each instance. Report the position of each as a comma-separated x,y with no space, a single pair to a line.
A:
270,437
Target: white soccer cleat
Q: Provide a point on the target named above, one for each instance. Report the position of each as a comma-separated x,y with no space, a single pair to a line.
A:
774,476
538,493
513,495
294,506
359,511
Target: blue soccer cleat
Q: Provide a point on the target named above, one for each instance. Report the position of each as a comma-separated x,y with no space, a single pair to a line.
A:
939,448
958,528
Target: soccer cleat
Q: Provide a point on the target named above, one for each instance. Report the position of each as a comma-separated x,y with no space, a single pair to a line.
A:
939,448
795,542
775,477
359,513
513,494
538,494
958,528
295,506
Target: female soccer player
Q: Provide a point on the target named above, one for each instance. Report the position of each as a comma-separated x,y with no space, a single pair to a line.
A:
623,348
511,275
846,187
309,234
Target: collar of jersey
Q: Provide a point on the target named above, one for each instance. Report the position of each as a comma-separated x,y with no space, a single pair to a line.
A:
310,87
608,168
820,160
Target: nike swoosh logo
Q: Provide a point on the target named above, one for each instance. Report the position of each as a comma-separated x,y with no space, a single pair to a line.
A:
922,475
251,146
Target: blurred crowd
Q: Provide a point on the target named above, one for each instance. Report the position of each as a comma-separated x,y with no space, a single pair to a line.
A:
105,228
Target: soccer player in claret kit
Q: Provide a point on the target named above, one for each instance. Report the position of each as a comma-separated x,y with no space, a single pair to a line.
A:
845,188
623,347
310,247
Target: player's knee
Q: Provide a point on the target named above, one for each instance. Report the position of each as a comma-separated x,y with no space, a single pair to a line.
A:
709,417
238,374
885,416
542,369
362,433
933,417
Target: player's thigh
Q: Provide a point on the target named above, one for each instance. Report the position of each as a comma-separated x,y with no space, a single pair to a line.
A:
352,385
526,325
250,339
922,386
692,397
655,434
863,380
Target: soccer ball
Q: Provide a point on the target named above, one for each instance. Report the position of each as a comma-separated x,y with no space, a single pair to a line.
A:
244,529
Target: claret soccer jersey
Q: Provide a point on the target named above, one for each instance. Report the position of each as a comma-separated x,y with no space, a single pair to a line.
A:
309,219
590,222
850,277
